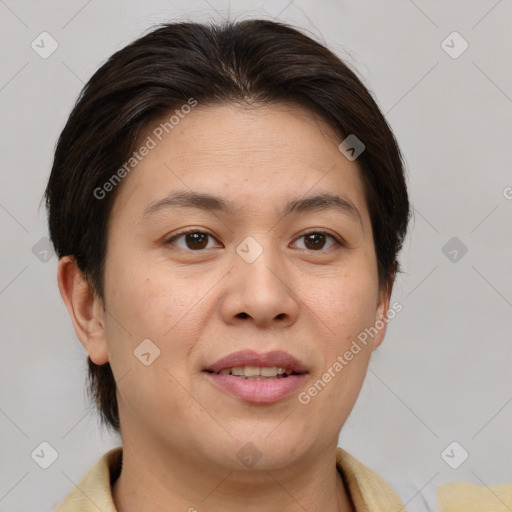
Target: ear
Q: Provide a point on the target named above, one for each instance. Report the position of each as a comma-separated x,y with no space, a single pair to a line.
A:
85,310
381,314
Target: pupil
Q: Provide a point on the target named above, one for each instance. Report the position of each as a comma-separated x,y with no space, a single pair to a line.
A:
313,238
196,238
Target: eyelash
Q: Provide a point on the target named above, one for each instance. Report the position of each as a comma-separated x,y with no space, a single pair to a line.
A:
189,231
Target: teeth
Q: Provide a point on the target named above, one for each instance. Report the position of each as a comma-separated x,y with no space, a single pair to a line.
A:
252,371
269,371
256,372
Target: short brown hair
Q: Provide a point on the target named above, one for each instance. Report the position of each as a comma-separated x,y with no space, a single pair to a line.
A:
232,62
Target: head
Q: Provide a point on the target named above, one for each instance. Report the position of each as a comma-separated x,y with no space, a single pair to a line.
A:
240,121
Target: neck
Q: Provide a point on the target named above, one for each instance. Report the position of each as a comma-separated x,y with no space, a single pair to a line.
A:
159,481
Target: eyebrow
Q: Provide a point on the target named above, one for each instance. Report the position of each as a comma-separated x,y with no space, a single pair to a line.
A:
206,201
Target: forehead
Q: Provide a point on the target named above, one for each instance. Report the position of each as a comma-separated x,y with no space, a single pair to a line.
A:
264,155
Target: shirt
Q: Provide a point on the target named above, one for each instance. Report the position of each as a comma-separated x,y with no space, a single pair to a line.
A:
369,492
468,497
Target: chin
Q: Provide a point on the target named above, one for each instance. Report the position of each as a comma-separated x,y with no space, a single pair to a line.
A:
259,453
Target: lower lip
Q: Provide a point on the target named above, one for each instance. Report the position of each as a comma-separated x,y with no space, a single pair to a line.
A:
259,391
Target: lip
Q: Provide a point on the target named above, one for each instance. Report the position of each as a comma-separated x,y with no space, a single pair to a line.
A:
258,391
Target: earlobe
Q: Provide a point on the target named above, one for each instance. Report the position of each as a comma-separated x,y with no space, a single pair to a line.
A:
85,310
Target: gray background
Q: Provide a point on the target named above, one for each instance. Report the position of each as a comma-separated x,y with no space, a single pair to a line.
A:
443,373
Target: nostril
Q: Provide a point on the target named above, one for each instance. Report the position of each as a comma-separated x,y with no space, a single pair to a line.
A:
242,315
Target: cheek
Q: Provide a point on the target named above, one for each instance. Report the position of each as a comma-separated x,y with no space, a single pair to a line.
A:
347,312
150,306
145,299
146,302
348,307
344,307
345,304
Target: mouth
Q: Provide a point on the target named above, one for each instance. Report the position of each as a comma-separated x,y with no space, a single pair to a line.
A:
249,363
257,372
257,378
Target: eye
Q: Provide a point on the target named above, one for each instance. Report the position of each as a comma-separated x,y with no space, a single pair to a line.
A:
193,239
316,240
196,240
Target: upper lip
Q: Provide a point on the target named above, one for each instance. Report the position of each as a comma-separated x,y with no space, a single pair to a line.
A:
251,358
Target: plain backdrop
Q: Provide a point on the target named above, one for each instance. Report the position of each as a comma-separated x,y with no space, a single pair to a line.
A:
443,373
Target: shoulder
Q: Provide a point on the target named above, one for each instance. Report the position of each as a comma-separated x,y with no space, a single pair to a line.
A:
94,490
469,497
367,489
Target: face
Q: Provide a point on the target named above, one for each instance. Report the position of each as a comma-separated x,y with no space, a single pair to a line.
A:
264,268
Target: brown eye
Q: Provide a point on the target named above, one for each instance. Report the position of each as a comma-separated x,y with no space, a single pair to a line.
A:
316,240
196,240
193,240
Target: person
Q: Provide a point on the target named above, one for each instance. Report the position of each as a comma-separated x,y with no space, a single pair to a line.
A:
227,203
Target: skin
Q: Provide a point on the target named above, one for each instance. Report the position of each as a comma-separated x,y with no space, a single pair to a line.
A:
180,433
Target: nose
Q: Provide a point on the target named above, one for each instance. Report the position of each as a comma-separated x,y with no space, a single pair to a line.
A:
261,292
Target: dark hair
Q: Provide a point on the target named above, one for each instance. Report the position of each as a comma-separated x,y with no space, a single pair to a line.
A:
252,61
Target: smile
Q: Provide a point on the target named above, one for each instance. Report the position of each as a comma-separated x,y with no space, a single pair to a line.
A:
257,372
